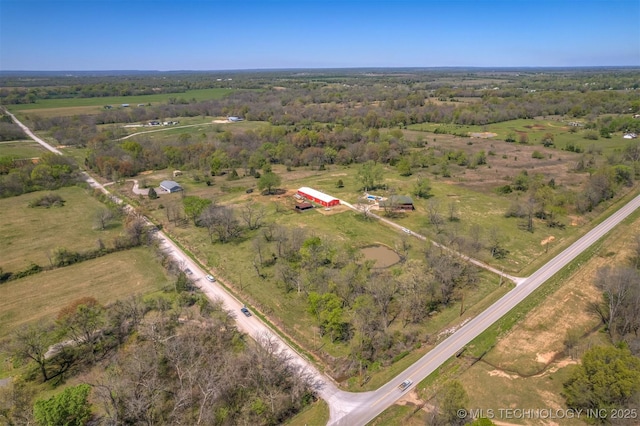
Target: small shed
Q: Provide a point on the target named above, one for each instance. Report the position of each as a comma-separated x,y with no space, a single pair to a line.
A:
304,206
170,186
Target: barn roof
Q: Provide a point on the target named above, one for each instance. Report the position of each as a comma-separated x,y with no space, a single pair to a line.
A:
317,194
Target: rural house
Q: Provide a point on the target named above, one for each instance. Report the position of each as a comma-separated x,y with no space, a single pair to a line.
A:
170,186
399,202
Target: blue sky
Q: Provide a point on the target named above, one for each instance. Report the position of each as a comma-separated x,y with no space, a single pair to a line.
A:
222,35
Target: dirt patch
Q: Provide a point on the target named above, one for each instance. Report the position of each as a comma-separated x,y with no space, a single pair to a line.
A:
383,256
221,121
547,240
500,373
328,211
546,357
410,398
483,135
576,221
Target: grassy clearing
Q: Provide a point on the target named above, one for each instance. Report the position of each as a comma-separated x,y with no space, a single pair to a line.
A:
30,234
39,297
199,129
317,414
96,105
535,131
401,415
21,149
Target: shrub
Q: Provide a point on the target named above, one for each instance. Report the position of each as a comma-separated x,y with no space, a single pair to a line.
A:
48,200
537,154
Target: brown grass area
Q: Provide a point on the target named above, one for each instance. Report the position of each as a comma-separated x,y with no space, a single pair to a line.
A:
39,297
534,347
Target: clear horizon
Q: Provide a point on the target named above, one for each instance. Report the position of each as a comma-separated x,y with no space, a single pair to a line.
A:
196,35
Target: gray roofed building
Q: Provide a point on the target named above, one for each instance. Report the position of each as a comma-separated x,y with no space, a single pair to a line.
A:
170,186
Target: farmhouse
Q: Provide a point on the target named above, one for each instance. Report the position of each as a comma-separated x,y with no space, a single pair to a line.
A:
318,197
170,186
399,202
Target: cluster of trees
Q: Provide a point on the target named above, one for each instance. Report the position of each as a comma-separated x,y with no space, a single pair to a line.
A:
10,131
353,303
51,172
607,379
198,371
173,358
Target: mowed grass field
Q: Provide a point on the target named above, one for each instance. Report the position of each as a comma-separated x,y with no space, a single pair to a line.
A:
31,234
39,297
21,149
75,106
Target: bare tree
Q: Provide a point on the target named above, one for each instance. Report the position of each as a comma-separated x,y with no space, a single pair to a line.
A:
221,222
253,213
103,217
435,218
32,342
453,211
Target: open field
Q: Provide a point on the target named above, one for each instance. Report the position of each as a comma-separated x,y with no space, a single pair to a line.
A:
30,234
39,297
475,205
75,106
534,130
21,149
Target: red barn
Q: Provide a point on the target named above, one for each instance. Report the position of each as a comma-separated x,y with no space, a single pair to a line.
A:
318,197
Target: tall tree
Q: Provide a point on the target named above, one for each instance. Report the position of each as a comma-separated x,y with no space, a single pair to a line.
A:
609,377
370,175
194,206
269,181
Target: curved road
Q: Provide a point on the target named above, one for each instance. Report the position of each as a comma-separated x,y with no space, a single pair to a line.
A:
351,409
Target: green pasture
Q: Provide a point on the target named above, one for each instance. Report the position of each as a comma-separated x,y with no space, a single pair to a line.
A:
198,129
21,149
31,234
317,414
117,101
39,297
535,130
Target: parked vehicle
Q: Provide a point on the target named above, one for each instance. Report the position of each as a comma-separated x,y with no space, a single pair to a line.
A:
245,311
211,278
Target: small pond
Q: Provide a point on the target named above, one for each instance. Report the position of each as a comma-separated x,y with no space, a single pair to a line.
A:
382,255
